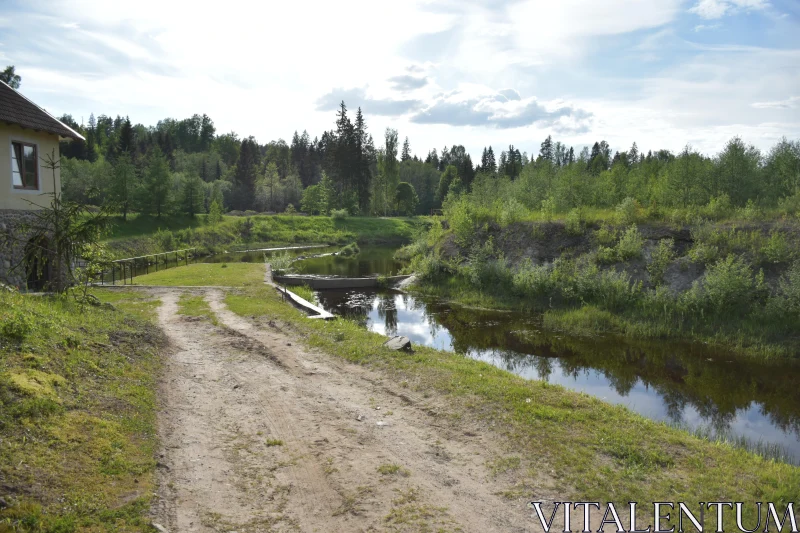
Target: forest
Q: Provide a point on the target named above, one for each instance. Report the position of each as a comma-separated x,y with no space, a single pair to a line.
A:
185,166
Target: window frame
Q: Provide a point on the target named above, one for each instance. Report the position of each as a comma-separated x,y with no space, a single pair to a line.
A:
21,166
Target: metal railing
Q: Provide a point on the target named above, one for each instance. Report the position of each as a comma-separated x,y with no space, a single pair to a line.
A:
130,267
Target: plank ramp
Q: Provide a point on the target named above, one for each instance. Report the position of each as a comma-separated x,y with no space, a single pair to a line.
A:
313,310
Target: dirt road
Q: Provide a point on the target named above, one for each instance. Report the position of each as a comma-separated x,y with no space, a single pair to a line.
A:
263,434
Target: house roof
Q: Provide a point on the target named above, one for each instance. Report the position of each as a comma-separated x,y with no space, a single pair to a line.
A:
16,109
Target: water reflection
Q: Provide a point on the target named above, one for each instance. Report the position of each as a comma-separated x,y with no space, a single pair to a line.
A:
679,382
371,260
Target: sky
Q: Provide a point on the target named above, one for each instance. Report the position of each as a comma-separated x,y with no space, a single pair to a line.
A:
662,73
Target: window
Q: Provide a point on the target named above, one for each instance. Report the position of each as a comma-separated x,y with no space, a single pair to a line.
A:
24,166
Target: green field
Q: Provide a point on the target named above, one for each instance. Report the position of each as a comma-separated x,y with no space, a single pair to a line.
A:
207,274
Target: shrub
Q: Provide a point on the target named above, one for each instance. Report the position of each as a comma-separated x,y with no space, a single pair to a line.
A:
790,205
462,221
281,263
533,281
429,267
608,289
786,303
627,211
750,211
718,207
574,223
728,286
511,211
606,236
339,214
549,208
15,324
290,209
776,249
606,255
630,245
483,270
350,249
661,257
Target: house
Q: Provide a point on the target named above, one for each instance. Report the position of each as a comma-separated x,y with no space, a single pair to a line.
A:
28,134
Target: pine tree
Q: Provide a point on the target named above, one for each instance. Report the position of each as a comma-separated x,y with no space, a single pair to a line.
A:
406,154
126,141
123,184
546,150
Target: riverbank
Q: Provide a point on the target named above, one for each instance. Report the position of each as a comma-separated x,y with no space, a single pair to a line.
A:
736,287
141,235
596,451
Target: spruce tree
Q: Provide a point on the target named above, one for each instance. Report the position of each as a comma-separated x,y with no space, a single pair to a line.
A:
406,154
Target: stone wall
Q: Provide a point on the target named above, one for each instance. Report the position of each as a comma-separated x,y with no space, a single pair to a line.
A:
13,240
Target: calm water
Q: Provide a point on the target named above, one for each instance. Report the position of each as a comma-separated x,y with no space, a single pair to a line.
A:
257,256
682,383
372,260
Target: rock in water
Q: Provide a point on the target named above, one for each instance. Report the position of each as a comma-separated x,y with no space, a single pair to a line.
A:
398,342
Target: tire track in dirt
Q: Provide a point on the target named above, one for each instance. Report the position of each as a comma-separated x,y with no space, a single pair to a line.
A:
261,434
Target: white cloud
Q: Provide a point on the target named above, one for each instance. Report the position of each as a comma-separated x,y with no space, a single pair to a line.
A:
790,103
518,71
714,9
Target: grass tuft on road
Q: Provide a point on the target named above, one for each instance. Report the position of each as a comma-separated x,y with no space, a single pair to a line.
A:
77,413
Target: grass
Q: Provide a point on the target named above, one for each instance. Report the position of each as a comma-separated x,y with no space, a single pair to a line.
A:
141,235
207,274
77,413
196,306
597,451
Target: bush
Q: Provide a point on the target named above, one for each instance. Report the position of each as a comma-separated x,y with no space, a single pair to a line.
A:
606,255
608,289
777,248
533,281
630,245
574,223
15,324
483,270
349,250
790,205
606,236
718,207
750,212
727,287
627,211
660,259
462,221
339,214
549,208
786,303
511,211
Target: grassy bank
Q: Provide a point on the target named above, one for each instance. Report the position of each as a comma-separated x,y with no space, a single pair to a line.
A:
737,287
77,413
596,451
141,235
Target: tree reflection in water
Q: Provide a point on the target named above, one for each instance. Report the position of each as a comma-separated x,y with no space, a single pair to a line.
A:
691,383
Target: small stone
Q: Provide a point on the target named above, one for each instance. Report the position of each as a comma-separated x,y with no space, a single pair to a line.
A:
236,386
159,527
381,423
360,418
288,344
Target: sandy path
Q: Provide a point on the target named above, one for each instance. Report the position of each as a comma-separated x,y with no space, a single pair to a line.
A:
261,434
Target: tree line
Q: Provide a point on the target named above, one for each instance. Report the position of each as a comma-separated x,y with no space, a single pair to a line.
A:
186,166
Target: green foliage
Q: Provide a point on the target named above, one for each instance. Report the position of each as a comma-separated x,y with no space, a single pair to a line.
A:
630,244
628,211
777,248
606,236
573,224
511,211
214,214
339,214
727,287
350,250
462,221
405,198
15,323
660,259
